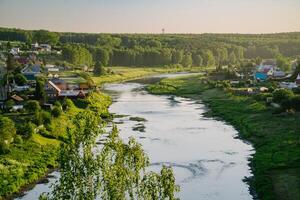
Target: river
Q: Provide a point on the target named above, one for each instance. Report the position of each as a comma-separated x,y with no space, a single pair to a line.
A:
209,162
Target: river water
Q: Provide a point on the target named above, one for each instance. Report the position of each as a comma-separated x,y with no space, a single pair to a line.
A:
208,160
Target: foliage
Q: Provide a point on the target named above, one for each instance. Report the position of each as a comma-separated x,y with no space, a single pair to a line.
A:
25,164
9,104
116,172
101,55
281,95
77,55
10,63
7,133
295,102
42,117
27,130
283,63
20,79
88,79
56,111
99,69
45,37
32,106
187,60
98,102
67,104
39,89
159,50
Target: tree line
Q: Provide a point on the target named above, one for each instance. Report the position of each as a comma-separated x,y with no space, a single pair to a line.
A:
161,49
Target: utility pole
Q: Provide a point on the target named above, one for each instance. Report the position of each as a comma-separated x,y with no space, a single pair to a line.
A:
163,31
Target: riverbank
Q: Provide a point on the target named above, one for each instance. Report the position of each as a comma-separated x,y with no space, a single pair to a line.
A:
30,160
121,74
276,163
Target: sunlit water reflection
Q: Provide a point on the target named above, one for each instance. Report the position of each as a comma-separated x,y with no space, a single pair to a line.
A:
209,163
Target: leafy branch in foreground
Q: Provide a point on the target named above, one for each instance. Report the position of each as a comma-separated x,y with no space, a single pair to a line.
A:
115,170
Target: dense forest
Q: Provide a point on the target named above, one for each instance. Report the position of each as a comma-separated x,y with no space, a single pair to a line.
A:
161,49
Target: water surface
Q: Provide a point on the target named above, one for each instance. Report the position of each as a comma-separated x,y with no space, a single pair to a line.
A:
208,161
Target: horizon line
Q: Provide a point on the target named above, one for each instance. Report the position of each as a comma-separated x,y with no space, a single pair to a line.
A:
154,33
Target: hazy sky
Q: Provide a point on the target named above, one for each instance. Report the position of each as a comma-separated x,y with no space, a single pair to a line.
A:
150,16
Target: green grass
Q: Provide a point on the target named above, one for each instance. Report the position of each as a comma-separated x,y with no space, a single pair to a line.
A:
276,137
28,161
45,141
129,73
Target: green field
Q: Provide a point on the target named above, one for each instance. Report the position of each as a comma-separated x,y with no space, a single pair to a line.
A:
128,73
275,137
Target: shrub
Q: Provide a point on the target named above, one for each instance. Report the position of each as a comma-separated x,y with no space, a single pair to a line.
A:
26,130
20,79
295,103
46,117
81,103
68,103
9,104
282,95
56,112
7,133
58,104
18,139
42,117
32,106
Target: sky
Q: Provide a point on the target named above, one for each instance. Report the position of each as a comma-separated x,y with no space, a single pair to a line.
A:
151,16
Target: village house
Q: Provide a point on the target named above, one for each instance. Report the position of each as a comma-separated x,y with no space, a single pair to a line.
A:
31,72
41,47
21,88
51,68
260,76
288,85
18,102
59,89
15,51
268,70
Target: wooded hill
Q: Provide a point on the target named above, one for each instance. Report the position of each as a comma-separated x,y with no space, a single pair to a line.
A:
162,49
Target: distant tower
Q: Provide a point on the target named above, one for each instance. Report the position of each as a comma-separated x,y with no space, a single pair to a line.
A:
163,31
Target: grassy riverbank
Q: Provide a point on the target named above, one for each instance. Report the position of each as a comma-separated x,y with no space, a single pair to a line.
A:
276,137
31,158
128,73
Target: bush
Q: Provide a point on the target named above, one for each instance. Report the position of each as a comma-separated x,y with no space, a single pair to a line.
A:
58,104
32,106
81,103
296,90
18,139
46,117
7,133
262,96
68,103
26,130
9,104
56,112
42,117
282,95
295,103
20,79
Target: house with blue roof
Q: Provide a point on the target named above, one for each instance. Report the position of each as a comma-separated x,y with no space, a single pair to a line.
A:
31,71
260,76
